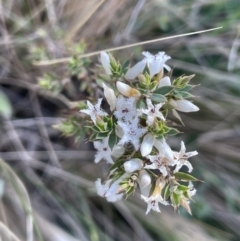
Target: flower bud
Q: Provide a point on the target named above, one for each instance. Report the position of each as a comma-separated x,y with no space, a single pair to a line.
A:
147,144
144,178
127,90
110,96
185,106
133,165
105,60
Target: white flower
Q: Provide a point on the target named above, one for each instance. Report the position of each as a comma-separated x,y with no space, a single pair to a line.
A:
192,191
127,90
164,149
110,96
133,165
155,197
155,64
105,60
125,109
160,162
180,105
111,190
131,132
182,158
94,111
153,112
153,201
147,144
104,151
183,105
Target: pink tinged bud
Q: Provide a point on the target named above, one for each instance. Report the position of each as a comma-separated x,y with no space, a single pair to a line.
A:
147,144
144,178
105,60
137,69
127,90
164,82
133,165
110,96
185,106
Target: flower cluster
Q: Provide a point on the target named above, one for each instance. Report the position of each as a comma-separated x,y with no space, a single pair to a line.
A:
131,135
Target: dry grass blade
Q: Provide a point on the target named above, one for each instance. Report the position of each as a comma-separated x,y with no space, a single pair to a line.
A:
78,26
62,60
22,195
7,233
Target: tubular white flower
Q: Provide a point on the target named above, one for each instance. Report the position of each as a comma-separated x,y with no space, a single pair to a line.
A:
152,112
152,203
155,64
127,90
185,106
110,96
164,149
104,151
125,109
94,111
133,165
105,60
182,158
147,144
137,69
131,132
155,197
111,190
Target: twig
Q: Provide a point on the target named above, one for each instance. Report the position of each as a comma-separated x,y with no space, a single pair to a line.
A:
42,129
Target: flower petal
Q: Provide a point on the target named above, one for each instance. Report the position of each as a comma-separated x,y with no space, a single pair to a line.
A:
105,60
137,69
110,96
186,106
133,165
144,179
147,144
164,82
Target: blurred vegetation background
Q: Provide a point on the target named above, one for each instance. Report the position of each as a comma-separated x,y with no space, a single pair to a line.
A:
47,179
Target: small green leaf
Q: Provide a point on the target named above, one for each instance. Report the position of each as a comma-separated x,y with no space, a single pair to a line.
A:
159,137
167,192
164,90
177,95
140,104
185,177
172,132
187,87
93,137
175,199
185,94
118,163
129,191
158,98
102,135
183,188
112,139
125,66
